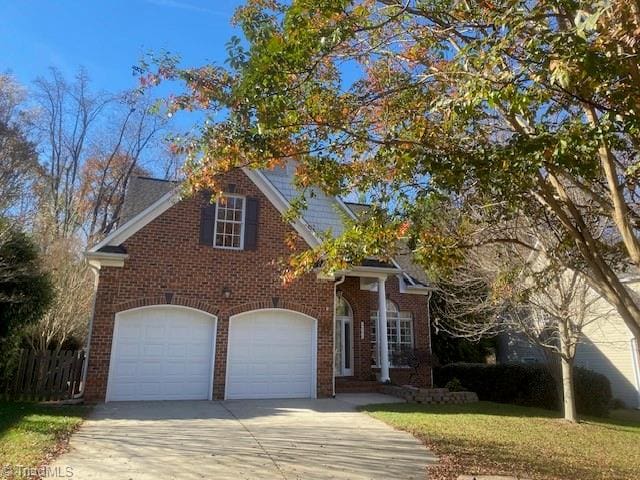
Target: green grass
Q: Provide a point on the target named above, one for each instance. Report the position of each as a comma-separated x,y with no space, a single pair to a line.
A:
31,432
492,438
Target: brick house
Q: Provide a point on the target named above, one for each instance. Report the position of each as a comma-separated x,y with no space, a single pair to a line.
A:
190,304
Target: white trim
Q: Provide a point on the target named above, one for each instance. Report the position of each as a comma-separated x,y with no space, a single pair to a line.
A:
407,285
346,208
161,305
344,372
241,222
282,205
383,337
402,284
314,346
105,259
370,272
142,219
413,289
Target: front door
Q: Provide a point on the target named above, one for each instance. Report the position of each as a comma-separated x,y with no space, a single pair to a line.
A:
344,347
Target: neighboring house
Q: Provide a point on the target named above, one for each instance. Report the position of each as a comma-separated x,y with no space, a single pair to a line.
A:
607,347
190,303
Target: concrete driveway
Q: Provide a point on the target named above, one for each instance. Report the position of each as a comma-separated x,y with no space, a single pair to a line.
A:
243,439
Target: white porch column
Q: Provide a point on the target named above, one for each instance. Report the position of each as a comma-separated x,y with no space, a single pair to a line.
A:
382,330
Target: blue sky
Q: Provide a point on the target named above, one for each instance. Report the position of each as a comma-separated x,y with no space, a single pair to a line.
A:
108,37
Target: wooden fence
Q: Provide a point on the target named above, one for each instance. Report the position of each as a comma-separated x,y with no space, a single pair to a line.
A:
49,375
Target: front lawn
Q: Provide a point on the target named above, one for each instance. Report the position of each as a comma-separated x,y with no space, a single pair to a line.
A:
492,438
30,433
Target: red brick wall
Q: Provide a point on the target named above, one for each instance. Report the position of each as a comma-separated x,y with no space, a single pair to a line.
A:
363,303
167,264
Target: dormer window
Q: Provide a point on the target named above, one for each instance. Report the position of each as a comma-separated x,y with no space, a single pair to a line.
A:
229,224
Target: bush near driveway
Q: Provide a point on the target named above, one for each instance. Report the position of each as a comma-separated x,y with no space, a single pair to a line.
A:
501,439
528,385
32,433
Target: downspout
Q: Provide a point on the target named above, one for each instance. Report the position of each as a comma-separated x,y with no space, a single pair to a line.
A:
333,353
429,329
85,367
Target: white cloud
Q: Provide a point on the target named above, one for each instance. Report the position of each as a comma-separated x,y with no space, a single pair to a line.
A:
186,6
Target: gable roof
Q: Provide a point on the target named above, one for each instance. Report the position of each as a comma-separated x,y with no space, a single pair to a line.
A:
323,213
416,273
147,198
358,208
145,190
142,192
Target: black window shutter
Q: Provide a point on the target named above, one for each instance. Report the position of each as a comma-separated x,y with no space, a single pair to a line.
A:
207,220
251,224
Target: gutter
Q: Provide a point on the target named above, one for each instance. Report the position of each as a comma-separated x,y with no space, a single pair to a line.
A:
430,339
107,259
369,272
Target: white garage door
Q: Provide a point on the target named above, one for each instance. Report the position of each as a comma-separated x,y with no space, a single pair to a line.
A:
271,355
162,353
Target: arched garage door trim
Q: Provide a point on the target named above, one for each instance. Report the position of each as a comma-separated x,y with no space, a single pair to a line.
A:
314,344
121,315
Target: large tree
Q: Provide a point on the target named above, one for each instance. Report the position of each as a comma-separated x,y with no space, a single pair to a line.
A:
531,105
91,143
25,286
25,290
18,157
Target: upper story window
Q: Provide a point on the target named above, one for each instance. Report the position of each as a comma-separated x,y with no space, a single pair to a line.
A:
229,224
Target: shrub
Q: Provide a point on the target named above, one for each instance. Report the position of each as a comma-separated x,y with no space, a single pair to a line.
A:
25,292
593,392
454,385
618,404
528,385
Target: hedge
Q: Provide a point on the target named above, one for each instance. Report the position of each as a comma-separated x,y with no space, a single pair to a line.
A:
528,385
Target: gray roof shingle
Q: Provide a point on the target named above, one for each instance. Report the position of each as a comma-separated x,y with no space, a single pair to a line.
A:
141,193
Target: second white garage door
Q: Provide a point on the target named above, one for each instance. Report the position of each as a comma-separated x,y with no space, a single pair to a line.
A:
271,354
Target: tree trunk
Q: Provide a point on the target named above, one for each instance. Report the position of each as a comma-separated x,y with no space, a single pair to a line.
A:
600,274
566,359
568,392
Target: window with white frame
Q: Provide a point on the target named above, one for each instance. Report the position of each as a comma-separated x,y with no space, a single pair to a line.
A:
399,333
229,224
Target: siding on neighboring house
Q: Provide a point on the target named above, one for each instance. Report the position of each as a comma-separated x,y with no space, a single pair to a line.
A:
608,348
